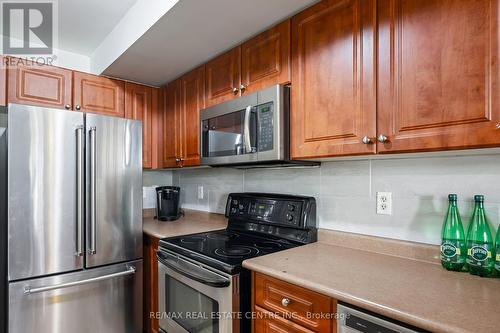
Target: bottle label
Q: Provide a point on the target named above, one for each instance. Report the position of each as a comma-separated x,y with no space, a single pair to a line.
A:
450,251
497,262
479,255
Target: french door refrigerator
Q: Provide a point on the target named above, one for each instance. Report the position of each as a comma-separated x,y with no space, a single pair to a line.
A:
73,209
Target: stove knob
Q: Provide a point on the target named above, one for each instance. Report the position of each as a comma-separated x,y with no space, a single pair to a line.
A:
291,207
235,202
289,217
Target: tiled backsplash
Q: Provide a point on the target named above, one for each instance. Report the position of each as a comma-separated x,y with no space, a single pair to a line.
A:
346,191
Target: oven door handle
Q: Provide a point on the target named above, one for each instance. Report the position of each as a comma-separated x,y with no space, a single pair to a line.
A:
192,271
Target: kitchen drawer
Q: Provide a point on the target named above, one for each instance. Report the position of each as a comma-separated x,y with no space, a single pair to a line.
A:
267,322
306,308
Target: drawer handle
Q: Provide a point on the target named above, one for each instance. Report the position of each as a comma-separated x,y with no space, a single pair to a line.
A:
285,302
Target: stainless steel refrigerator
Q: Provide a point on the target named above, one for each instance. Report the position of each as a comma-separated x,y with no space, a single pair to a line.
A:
71,213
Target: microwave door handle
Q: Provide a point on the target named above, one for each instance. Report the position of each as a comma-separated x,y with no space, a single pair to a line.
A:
192,271
246,130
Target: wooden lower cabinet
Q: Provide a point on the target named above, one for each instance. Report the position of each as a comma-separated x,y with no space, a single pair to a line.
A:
150,297
269,322
284,307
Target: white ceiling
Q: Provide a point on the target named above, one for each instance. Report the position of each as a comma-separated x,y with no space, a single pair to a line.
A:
84,24
192,32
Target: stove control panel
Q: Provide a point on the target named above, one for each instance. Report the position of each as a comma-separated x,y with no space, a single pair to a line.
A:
290,211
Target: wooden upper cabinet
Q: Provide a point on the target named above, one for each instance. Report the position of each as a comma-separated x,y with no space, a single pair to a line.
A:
138,106
192,87
333,102
172,129
97,94
223,77
265,59
41,85
3,81
438,75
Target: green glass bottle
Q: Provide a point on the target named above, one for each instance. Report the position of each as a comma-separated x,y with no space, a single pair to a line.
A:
453,247
480,242
497,242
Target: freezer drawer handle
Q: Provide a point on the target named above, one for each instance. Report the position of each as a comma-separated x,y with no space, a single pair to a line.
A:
28,290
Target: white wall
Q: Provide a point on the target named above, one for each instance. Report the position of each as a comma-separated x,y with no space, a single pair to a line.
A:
346,191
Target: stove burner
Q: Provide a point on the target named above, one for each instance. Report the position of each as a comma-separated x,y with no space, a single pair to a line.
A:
235,251
268,245
222,236
193,239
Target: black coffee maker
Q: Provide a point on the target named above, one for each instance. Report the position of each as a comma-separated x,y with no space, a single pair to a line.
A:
167,203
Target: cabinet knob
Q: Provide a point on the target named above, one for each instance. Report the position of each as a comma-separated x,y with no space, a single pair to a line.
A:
235,90
177,160
78,107
367,140
67,107
242,88
285,302
382,138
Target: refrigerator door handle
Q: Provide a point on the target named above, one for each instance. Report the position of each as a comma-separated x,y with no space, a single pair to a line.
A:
79,190
28,290
93,174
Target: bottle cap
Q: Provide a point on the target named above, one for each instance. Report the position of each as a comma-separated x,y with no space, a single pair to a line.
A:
452,196
479,198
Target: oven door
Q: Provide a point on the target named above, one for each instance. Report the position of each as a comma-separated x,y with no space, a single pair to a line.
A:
195,298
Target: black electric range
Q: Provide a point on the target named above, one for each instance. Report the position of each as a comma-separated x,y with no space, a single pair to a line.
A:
208,266
259,224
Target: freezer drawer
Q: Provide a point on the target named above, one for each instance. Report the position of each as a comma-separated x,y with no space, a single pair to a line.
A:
105,299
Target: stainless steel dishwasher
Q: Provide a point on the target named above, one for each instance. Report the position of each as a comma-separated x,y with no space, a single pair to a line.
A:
351,320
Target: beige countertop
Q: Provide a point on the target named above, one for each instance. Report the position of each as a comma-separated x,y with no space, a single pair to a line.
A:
192,222
417,292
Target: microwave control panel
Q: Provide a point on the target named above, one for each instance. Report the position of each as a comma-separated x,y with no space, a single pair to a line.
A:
266,126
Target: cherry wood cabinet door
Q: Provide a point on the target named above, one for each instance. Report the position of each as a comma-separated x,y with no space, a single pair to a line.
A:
138,106
35,84
97,94
223,77
193,100
172,129
265,59
269,322
438,75
150,289
158,110
333,104
3,81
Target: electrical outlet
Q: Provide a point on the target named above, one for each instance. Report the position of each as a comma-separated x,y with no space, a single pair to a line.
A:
384,203
200,192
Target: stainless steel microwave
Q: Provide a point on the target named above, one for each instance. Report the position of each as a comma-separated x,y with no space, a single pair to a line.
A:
252,129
